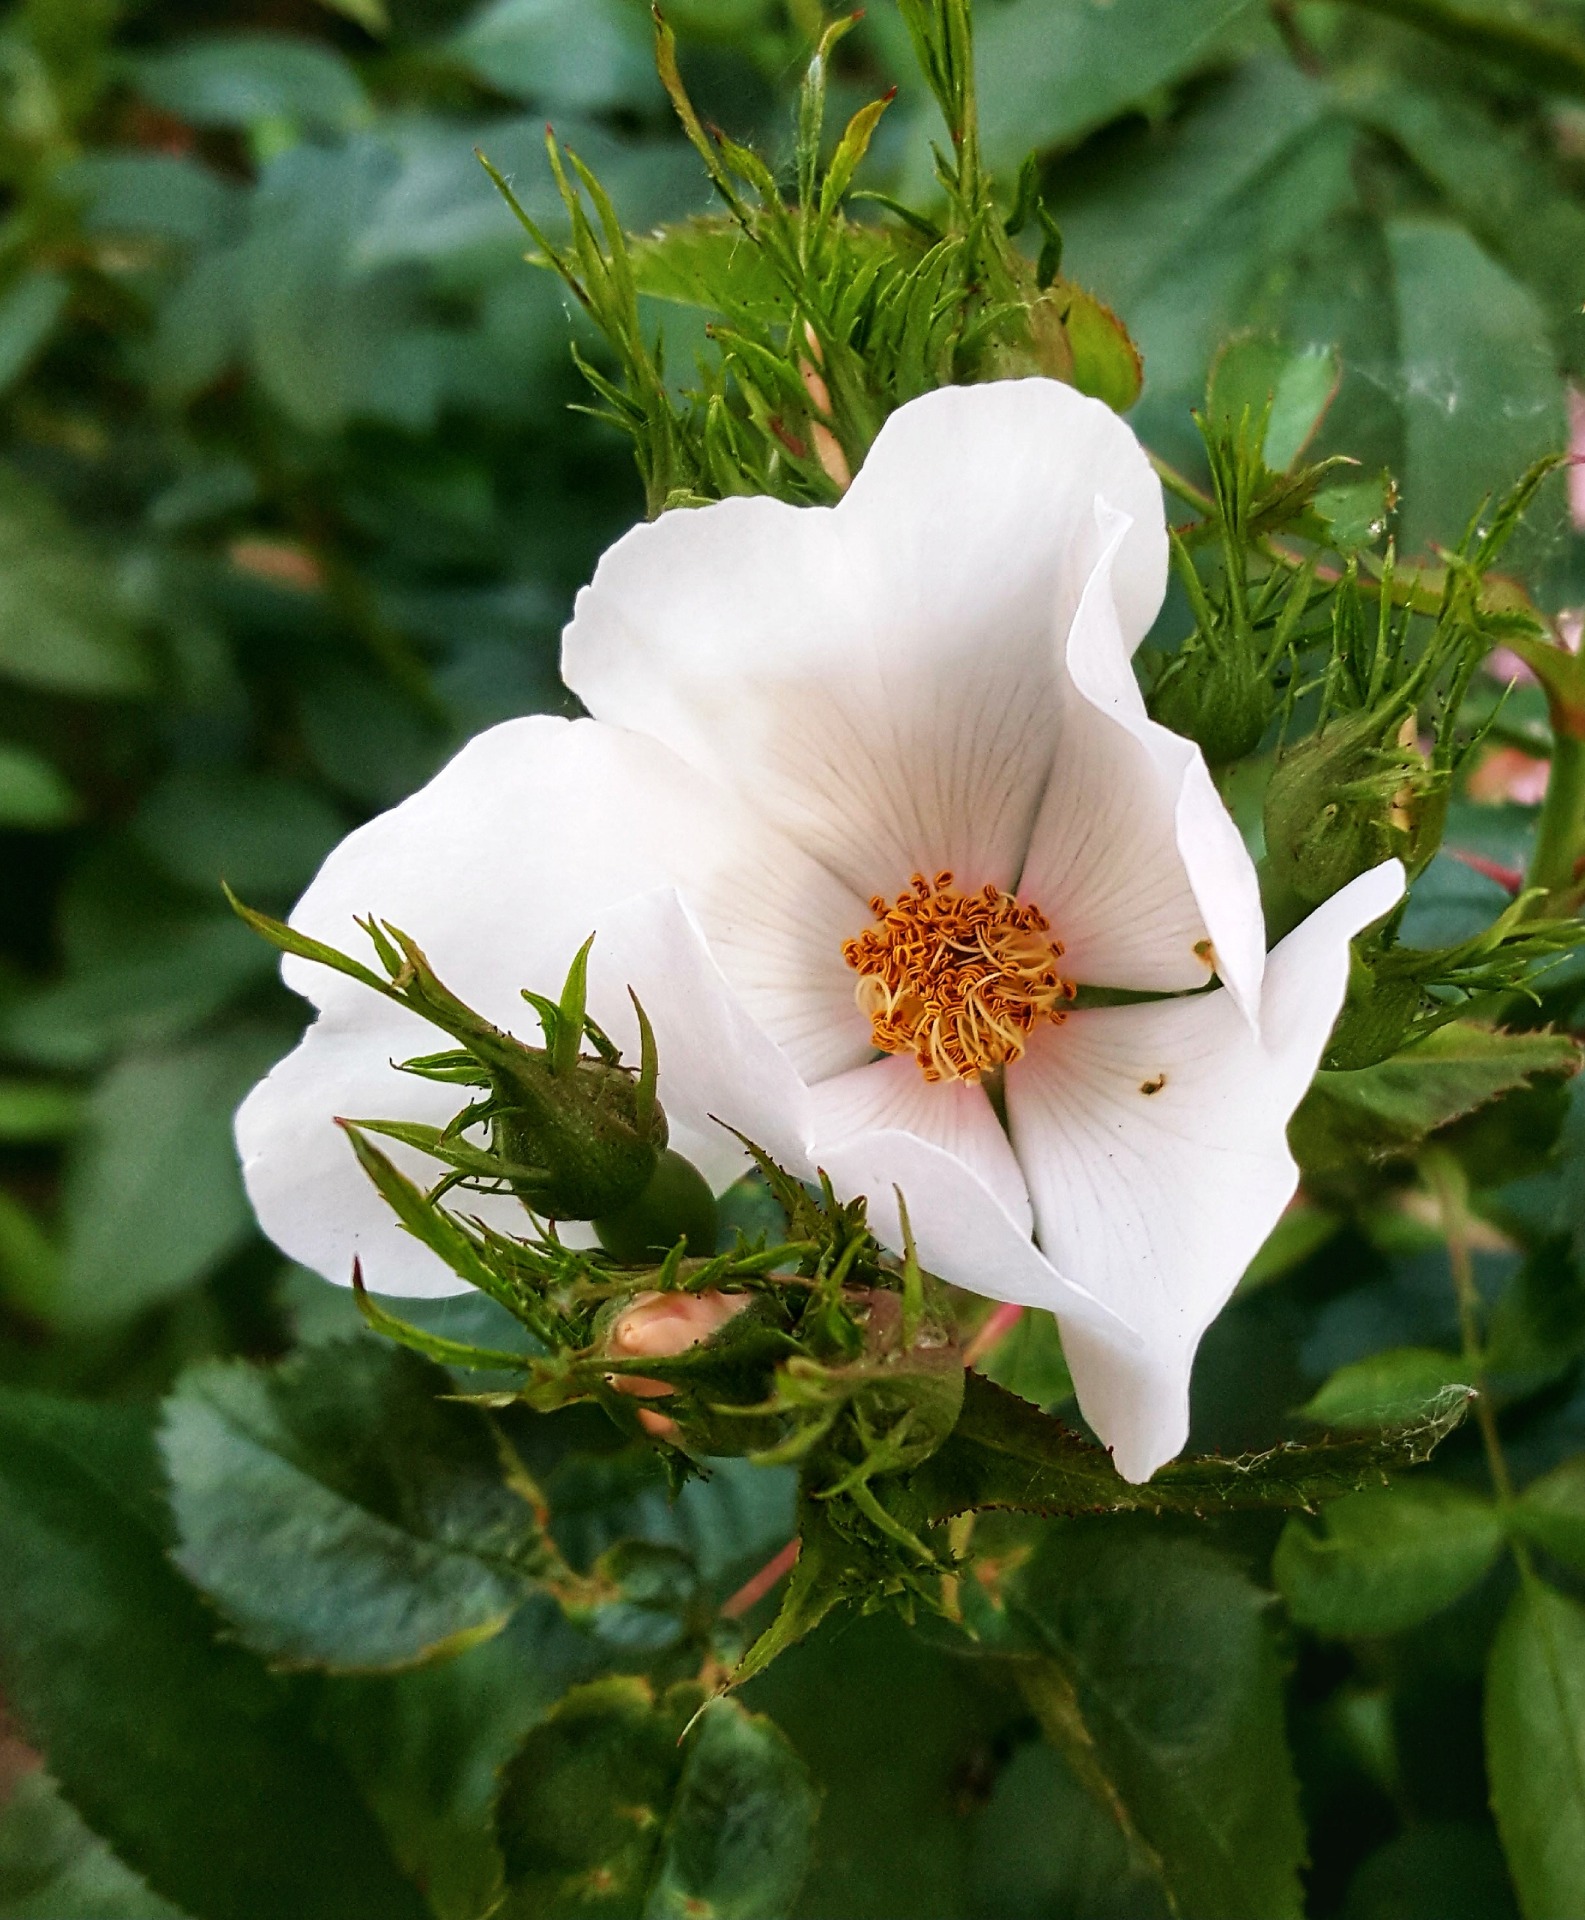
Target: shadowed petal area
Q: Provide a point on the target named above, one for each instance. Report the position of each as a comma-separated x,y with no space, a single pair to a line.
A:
501,865
960,1228
716,1063
876,678
528,841
310,1194
1133,857
1154,1142
951,1114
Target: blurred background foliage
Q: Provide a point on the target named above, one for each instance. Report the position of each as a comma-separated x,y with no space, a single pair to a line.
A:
292,501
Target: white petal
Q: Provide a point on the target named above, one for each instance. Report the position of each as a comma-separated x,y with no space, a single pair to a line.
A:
876,678
1133,857
1157,1200
498,866
953,1115
312,1197
536,835
962,1231
717,1064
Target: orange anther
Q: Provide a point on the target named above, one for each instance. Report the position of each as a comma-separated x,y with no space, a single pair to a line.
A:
958,980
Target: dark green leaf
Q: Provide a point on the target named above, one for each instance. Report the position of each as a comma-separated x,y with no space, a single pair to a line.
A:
607,1811
263,834
427,1746
32,792
61,624
239,80
51,1865
1386,1110
32,1110
1162,1689
1482,395
196,1765
1386,1558
154,1199
340,1513
1551,1512
1385,1388
1535,1747
580,54
1028,1361
28,314
1006,1453
1050,72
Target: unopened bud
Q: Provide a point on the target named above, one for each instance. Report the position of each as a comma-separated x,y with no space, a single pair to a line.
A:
675,1203
589,1136
1340,803
1221,700
657,1326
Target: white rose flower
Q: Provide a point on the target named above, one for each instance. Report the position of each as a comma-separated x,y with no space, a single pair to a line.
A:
868,792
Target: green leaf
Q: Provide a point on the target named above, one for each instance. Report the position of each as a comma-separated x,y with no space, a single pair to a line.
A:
242,80
371,15
33,1110
153,1197
1050,72
184,1754
1504,184
1551,1512
1482,395
608,1811
342,1514
1006,1453
28,314
427,1745
61,625
1384,1111
262,833
1547,51
1537,1328
588,55
1433,1872
32,792
50,1864
1384,1388
1028,1360
1386,1558
1185,231
1535,1747
1162,1689
162,983
1258,375
1043,1845
710,262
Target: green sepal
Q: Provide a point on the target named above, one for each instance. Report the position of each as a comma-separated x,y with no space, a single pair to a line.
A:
433,1346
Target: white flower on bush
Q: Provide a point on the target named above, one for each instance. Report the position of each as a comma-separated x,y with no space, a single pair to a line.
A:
868,792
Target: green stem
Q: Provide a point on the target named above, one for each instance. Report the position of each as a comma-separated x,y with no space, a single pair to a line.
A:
1560,839
1445,1177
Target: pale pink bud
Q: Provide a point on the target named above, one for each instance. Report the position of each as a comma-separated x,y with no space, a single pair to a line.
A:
657,1325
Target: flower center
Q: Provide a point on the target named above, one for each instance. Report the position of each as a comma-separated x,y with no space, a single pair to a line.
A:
957,980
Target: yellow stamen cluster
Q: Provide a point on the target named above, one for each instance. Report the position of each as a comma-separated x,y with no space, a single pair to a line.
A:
957,980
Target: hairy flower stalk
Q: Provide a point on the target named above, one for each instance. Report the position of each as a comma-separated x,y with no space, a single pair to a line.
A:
869,797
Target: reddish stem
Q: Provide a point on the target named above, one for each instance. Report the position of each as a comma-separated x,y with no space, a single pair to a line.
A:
1509,878
753,1591
996,1327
